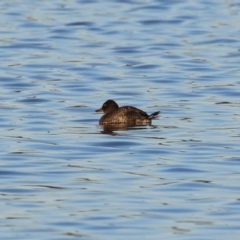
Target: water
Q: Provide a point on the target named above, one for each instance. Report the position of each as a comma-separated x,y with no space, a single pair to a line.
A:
63,176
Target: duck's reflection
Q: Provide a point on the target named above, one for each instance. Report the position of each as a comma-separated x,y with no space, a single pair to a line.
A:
112,128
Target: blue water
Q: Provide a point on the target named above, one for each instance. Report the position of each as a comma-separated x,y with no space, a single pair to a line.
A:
65,177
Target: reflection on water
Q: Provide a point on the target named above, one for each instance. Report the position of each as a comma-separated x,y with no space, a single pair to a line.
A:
110,128
61,177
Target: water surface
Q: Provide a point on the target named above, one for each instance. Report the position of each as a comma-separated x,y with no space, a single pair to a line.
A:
63,176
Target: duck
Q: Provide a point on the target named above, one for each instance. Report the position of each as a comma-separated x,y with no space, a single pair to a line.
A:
113,114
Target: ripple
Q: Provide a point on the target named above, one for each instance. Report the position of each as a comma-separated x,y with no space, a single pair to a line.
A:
156,22
80,24
33,100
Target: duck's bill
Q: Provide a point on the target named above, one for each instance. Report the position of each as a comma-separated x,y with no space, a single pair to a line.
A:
99,110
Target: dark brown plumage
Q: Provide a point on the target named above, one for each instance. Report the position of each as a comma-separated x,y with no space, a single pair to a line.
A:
113,114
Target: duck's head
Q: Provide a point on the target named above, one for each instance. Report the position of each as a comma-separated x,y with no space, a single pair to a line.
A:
108,106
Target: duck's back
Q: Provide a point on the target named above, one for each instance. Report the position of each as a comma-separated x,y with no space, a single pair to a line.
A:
126,114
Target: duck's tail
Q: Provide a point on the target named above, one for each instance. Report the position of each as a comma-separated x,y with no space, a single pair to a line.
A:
153,115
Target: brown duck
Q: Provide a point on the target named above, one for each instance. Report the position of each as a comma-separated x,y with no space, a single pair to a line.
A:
113,114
